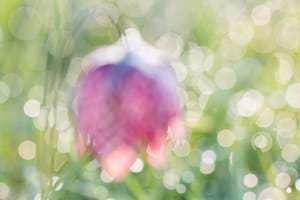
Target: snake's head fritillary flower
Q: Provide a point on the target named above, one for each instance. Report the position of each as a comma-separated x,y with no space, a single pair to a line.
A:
128,99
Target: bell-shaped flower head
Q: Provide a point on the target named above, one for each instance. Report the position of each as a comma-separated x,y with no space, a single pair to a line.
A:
127,99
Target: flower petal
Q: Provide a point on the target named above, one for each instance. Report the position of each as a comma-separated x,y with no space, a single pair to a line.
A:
118,162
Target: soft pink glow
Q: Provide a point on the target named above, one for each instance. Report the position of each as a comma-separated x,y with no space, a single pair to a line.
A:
123,106
118,161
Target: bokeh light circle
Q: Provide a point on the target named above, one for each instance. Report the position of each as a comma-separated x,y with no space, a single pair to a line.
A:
241,32
27,150
137,166
225,78
249,196
180,188
171,179
209,157
225,138
285,68
207,168
32,108
271,193
265,118
250,180
188,176
4,191
180,70
249,103
290,152
283,180
261,14
182,150
262,141
287,33
293,95
286,126
196,58
297,184
171,43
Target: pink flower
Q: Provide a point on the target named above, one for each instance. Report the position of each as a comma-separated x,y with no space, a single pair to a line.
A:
125,105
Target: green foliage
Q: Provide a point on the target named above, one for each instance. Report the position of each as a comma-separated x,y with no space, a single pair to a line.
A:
43,44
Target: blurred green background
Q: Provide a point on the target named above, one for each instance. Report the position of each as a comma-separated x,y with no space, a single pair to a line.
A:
237,62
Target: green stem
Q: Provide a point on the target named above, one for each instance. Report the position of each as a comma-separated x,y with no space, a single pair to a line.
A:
135,188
